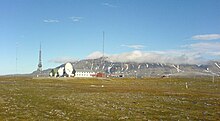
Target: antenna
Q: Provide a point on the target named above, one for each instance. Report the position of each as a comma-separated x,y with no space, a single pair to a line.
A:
68,68
40,61
40,53
103,45
103,50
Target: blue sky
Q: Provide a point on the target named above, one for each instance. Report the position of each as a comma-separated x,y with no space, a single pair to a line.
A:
178,31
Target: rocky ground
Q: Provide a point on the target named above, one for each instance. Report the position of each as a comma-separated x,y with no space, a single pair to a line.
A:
24,98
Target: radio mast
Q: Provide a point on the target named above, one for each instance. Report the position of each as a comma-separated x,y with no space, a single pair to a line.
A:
40,61
103,45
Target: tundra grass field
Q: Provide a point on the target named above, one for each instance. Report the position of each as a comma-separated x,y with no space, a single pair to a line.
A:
23,98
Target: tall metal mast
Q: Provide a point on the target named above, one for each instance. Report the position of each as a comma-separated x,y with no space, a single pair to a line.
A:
103,51
103,45
40,62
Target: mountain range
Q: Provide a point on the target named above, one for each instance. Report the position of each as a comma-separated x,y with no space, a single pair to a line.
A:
134,69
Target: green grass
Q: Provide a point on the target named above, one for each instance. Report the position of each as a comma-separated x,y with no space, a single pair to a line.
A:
23,98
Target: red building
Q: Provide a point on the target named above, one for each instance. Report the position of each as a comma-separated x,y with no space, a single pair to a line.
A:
100,74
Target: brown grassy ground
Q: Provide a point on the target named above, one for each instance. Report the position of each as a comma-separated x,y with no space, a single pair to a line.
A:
109,99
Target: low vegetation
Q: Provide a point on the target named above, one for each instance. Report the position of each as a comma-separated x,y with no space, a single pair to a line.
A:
23,98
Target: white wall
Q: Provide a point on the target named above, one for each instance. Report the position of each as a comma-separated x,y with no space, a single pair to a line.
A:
84,74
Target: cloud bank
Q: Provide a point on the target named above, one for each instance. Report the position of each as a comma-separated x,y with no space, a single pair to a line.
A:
62,60
95,55
211,49
175,57
214,46
136,47
206,37
195,53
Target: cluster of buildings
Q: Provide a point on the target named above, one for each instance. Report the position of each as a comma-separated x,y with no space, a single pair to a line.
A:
68,71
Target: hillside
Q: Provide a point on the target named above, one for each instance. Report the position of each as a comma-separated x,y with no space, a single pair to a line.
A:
133,69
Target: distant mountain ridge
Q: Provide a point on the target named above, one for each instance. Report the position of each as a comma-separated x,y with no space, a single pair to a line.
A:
134,69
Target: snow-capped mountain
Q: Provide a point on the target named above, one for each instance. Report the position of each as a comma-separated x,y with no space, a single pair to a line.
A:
133,69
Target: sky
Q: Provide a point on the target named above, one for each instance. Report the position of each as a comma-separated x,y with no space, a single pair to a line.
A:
163,31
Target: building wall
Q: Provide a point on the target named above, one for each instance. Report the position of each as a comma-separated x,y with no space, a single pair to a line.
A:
100,75
84,74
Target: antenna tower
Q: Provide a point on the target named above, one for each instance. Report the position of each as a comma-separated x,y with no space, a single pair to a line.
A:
40,62
103,45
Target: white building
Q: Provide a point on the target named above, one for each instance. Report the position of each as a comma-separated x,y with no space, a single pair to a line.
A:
84,73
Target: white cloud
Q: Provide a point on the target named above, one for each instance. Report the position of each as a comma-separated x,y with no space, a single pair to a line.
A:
51,21
176,57
96,54
210,50
156,57
214,46
109,5
216,53
76,18
63,60
206,37
137,47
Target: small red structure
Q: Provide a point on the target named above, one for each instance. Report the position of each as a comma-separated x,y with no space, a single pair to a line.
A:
100,74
